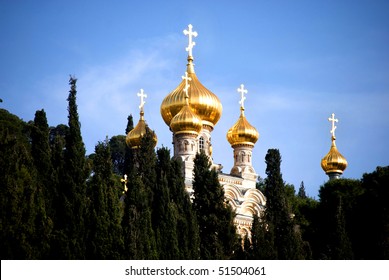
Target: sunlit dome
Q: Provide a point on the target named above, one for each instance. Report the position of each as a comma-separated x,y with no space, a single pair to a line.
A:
333,162
186,121
134,137
242,132
205,104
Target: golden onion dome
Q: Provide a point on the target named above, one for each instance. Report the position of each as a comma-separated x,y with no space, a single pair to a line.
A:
205,104
242,132
134,137
333,162
186,121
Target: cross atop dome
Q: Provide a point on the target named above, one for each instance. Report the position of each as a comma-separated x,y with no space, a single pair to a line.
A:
242,92
191,43
186,78
333,127
142,96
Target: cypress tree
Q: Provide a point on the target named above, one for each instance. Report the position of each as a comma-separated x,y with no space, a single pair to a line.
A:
187,226
215,218
72,192
128,154
118,147
41,154
103,224
261,247
373,238
139,237
337,222
165,212
281,230
17,191
301,192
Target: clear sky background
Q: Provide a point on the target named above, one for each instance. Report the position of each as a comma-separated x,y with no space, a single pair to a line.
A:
299,60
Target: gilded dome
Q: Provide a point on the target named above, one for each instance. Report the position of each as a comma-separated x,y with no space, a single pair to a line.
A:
205,104
134,137
333,162
242,132
186,121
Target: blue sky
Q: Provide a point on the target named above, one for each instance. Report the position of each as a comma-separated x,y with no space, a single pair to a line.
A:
299,60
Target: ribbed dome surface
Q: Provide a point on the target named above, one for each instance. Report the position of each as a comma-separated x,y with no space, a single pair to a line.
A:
134,137
333,162
205,104
186,121
242,132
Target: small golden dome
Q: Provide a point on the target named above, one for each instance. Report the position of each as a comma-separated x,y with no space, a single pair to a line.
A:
186,122
242,132
333,162
134,137
205,104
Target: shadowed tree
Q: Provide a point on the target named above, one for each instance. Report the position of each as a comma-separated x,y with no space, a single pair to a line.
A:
41,154
281,234
70,235
139,237
104,236
215,217
19,198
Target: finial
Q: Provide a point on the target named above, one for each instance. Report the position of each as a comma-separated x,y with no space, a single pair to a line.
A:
191,43
186,78
333,127
242,92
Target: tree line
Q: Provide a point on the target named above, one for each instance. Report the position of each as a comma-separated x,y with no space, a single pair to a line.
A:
59,203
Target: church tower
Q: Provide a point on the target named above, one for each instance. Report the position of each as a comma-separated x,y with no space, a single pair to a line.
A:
240,185
333,163
242,137
191,111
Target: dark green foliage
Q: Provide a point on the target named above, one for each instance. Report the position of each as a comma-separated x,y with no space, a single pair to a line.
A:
41,154
70,237
187,226
139,242
283,239
372,239
260,247
17,191
104,237
139,237
187,233
118,147
301,192
128,153
376,186
165,211
215,217
335,218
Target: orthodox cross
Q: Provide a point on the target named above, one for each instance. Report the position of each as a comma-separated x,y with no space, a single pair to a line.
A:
186,78
190,34
242,92
142,96
124,181
333,121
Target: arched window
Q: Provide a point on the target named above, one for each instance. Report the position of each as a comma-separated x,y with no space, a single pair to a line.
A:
201,143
